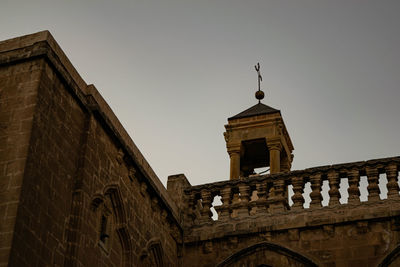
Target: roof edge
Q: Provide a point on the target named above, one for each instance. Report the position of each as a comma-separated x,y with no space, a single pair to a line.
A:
257,109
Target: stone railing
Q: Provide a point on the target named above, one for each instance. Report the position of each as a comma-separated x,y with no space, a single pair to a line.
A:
313,188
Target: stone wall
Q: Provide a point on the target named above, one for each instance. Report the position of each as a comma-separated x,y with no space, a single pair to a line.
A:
358,243
256,217
18,92
85,194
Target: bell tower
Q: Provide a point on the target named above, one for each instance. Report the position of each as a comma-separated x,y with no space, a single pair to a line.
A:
257,137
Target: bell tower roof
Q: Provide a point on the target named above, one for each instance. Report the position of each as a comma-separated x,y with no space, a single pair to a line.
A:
257,109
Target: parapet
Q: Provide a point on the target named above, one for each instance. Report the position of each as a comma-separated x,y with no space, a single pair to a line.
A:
263,203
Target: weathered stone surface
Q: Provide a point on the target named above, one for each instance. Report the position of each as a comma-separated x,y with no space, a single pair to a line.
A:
76,191
64,154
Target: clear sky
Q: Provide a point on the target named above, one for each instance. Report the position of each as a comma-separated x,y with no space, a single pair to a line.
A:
174,71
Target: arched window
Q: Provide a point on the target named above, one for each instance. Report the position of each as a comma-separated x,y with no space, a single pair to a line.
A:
108,212
104,222
153,255
156,255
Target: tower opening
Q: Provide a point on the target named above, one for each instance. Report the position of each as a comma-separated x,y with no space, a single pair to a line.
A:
254,154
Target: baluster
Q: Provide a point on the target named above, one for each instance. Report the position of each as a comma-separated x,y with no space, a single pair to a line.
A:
224,209
278,201
333,178
197,205
206,203
244,190
262,197
315,194
373,188
235,202
298,188
252,204
191,207
354,191
392,185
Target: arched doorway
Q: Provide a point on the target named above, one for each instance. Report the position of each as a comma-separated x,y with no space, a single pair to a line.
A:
266,255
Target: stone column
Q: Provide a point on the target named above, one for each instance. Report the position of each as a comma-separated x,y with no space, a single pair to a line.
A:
334,194
278,200
261,202
224,213
234,154
354,192
392,186
373,188
274,147
315,194
244,190
298,187
206,203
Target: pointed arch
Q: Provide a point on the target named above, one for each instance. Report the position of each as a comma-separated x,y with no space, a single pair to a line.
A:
267,254
392,257
153,254
120,219
126,244
116,198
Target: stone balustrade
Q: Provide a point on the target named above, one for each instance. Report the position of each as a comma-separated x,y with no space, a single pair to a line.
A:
295,191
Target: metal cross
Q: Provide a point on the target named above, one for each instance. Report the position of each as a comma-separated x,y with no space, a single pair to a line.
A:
257,67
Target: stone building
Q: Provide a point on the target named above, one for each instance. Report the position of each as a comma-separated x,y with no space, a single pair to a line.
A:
76,191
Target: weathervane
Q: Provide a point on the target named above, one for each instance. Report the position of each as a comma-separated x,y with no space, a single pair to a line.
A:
259,93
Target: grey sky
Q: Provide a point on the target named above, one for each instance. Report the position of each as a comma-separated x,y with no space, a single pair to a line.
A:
174,71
